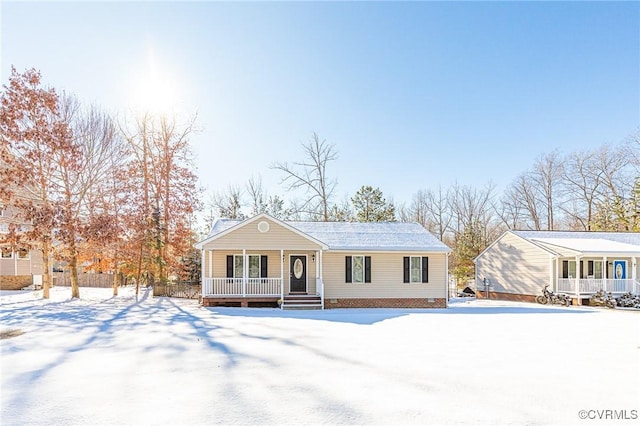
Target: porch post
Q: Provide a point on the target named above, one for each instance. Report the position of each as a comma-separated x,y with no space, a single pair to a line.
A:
210,264
244,272
605,273
281,278
577,284
633,275
317,265
557,277
321,280
551,274
202,272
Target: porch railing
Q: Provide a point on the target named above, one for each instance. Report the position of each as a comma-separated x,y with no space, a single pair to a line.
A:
241,287
592,285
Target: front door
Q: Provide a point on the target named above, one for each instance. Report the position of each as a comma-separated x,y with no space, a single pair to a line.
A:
298,274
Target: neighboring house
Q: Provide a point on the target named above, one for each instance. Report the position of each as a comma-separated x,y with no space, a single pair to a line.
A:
323,264
18,265
520,263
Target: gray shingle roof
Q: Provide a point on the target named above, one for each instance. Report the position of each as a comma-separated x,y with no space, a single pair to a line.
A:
374,236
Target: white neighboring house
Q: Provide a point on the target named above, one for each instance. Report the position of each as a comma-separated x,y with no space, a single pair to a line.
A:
264,260
520,263
19,267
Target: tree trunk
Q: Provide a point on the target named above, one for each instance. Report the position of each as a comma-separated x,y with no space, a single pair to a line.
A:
115,277
46,277
75,289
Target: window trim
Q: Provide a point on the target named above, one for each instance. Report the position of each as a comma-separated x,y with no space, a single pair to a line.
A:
407,269
241,257
353,269
26,257
2,256
411,280
350,269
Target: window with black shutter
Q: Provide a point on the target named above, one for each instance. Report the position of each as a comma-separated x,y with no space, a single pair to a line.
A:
357,269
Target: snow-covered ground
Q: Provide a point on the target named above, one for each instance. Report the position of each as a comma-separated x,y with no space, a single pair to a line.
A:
135,361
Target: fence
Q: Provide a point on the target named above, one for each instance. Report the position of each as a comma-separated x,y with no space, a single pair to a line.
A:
185,289
63,279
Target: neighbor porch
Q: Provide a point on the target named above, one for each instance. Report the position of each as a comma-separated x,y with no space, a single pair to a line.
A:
583,276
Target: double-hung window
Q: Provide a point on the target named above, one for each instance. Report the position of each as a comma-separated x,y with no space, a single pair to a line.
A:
415,269
358,269
257,266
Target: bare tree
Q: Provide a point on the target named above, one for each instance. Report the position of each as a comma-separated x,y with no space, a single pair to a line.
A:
228,203
547,176
257,195
311,175
528,196
510,210
474,227
432,209
583,183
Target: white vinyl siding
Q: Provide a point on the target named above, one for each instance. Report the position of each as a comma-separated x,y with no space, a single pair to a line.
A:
514,265
248,237
386,277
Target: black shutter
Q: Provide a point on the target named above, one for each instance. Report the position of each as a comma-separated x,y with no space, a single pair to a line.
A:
347,269
406,269
230,266
565,269
581,272
425,269
590,268
367,269
263,267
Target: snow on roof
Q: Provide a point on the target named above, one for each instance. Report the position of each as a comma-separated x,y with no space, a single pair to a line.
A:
391,236
379,236
585,242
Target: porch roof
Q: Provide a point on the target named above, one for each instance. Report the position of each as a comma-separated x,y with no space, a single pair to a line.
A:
585,243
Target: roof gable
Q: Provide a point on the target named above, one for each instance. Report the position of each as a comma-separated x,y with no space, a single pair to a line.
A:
224,227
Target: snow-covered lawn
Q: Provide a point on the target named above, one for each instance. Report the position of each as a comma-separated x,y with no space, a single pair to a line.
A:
145,360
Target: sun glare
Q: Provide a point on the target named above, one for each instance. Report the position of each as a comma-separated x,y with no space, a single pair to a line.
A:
154,89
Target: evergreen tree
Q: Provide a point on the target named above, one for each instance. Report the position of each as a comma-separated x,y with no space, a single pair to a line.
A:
371,206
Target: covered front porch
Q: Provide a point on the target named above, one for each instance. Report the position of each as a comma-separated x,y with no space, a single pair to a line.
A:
583,276
283,278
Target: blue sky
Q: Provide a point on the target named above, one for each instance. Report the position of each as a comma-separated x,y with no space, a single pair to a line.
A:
413,95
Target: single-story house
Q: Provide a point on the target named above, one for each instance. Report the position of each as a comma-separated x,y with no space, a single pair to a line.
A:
263,260
520,263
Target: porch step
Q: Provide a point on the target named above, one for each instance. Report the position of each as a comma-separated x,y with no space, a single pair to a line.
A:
302,301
